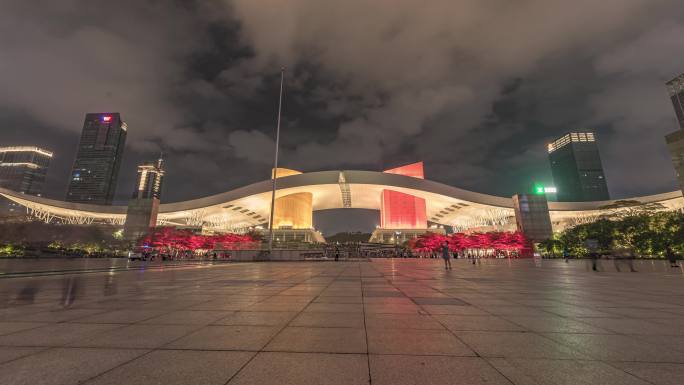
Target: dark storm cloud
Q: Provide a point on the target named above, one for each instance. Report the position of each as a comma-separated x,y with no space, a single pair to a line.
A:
474,88
438,70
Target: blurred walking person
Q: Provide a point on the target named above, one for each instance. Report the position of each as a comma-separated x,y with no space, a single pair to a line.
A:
671,256
446,256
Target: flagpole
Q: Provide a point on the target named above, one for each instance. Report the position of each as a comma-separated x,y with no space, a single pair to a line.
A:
275,164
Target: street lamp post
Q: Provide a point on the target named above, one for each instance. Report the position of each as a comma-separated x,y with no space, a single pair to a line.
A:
275,164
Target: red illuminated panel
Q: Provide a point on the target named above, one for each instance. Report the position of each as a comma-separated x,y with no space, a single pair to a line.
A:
106,118
402,211
414,170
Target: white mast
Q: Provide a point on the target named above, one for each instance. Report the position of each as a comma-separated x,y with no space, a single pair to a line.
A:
275,164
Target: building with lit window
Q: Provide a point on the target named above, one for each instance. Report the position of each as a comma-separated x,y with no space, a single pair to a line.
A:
96,167
143,208
576,168
675,145
675,88
675,140
150,178
23,169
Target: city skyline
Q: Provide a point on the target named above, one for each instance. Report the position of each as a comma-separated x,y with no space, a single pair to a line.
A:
477,112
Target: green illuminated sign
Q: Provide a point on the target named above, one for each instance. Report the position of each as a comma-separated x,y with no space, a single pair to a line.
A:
540,189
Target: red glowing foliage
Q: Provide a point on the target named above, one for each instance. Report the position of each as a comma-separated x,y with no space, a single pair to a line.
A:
172,239
458,242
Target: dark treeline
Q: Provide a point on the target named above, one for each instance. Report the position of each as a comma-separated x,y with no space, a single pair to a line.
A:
19,237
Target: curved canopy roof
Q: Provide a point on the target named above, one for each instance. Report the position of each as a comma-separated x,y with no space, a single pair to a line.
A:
249,205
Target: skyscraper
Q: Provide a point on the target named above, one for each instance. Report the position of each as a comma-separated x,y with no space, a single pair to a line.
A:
576,168
675,144
675,140
143,207
150,177
96,168
675,88
23,168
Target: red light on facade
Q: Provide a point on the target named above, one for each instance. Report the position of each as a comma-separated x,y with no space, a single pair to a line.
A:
402,211
414,170
106,118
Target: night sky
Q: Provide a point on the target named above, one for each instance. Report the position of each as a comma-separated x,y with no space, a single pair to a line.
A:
473,88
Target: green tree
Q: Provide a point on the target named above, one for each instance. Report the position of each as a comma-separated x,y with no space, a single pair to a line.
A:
648,232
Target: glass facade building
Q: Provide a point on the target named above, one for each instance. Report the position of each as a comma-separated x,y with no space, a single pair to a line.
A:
675,140
23,169
576,168
675,144
96,168
532,216
675,88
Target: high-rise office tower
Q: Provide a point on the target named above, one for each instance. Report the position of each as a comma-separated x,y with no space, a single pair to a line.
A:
576,168
675,144
675,140
23,168
143,207
675,88
150,177
96,168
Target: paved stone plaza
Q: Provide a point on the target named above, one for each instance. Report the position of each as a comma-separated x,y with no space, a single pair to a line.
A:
386,322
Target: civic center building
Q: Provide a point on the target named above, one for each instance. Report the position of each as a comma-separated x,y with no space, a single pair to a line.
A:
407,203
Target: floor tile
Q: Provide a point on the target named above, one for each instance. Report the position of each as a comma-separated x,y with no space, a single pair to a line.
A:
64,366
188,317
181,367
249,338
477,323
324,340
562,372
323,320
123,316
13,327
515,344
304,369
257,318
655,373
410,370
55,334
611,347
415,342
401,321
137,336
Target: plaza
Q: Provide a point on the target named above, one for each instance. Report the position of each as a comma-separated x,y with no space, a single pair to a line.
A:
385,321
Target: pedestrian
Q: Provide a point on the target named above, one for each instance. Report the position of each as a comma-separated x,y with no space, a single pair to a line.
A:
337,254
594,260
566,254
671,256
446,256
